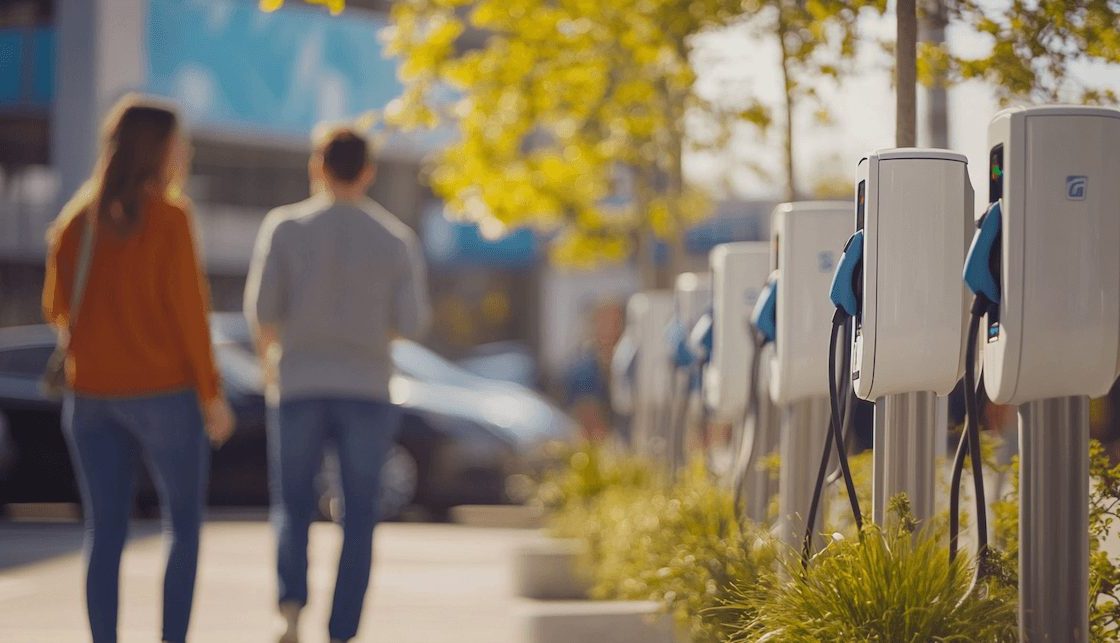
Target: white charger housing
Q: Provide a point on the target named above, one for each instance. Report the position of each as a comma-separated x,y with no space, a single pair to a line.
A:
649,313
693,297
739,271
807,238
647,316
1056,330
915,207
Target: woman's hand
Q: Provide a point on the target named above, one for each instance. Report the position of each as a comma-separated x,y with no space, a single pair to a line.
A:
218,418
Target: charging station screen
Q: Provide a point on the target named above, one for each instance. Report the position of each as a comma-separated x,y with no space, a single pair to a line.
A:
995,174
995,193
861,204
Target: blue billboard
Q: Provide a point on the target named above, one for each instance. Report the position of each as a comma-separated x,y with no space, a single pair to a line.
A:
26,67
233,67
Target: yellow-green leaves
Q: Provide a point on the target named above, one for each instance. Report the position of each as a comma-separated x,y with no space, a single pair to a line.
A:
334,6
554,104
1036,47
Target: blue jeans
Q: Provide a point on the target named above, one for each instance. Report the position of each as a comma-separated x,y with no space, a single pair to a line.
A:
107,437
362,433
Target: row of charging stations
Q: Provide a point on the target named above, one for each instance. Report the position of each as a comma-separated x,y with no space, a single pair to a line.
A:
882,278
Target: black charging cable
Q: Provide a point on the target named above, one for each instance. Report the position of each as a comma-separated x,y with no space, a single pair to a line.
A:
748,434
847,407
835,436
970,445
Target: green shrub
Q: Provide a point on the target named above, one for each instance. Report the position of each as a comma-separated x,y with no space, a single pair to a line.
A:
889,585
587,472
681,545
685,548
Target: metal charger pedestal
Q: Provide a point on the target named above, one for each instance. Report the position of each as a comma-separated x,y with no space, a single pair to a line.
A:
905,453
804,428
1054,520
756,484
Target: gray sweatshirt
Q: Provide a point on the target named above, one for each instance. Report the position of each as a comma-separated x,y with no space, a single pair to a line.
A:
338,280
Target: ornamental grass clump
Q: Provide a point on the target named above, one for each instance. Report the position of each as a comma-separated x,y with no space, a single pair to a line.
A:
678,544
890,585
685,548
588,471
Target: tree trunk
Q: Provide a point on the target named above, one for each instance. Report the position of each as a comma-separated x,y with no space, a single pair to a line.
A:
791,173
678,253
906,71
931,29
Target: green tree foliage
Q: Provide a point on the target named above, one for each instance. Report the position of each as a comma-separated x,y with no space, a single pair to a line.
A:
1034,47
570,114
560,99
817,40
681,545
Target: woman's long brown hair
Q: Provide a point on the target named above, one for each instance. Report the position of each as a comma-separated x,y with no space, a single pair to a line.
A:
136,140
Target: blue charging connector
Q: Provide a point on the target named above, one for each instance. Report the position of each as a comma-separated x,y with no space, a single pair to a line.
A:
764,317
700,339
843,293
978,275
677,338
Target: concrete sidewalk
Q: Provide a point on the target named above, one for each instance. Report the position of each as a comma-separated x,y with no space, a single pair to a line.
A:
431,583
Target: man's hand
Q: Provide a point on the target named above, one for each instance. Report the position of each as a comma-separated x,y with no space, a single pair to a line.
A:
268,348
218,418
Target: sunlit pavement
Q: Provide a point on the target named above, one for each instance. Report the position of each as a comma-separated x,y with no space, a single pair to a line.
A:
431,583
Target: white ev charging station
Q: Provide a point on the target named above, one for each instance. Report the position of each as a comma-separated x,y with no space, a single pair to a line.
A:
914,211
692,299
1046,259
647,315
806,238
739,272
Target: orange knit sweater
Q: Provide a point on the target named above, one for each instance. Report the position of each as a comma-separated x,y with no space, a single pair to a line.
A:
142,326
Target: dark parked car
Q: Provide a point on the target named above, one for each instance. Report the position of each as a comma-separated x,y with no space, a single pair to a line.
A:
462,439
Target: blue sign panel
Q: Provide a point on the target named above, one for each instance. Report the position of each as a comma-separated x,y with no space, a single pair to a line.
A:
26,67
231,66
461,243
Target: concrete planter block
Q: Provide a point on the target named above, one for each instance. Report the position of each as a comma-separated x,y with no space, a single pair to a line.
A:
549,569
596,622
498,516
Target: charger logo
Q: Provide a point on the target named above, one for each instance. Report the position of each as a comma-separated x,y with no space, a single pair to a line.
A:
1075,187
826,260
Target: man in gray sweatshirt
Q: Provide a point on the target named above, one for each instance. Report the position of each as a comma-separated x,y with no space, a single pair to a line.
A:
333,280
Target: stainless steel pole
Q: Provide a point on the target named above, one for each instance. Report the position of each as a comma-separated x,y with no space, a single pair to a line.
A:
905,454
1054,520
757,486
804,428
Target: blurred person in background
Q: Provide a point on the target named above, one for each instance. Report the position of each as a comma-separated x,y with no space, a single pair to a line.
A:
587,377
333,280
139,365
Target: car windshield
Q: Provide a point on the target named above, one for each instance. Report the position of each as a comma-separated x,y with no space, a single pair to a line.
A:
416,361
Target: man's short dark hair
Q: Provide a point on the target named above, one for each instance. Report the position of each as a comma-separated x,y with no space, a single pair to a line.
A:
345,153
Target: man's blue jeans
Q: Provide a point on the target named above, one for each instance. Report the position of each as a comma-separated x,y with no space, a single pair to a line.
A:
107,437
362,433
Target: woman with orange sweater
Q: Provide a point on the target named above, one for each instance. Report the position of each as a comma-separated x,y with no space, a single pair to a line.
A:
125,291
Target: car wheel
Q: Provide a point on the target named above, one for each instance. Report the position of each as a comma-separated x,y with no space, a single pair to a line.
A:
400,485
400,482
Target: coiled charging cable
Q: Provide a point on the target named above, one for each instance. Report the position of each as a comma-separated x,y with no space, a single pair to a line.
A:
845,296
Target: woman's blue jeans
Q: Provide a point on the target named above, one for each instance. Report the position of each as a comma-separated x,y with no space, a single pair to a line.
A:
107,437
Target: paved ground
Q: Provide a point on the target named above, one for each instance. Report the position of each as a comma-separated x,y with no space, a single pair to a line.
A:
432,583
